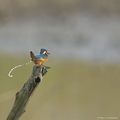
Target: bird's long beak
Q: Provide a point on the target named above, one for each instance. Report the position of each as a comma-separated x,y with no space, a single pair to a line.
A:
48,53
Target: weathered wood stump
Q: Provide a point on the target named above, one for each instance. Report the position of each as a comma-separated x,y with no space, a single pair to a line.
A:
22,97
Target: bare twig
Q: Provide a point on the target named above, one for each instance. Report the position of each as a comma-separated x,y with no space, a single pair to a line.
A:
22,97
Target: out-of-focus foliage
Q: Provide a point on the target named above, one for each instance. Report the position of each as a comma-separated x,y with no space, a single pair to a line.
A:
20,8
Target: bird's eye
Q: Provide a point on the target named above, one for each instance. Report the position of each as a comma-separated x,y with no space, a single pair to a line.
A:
44,52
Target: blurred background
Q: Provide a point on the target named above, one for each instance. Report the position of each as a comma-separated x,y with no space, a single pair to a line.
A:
83,37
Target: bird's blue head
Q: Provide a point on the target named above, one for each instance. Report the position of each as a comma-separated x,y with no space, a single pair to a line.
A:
44,51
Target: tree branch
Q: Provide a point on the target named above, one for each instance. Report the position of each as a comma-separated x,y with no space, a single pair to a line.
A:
22,97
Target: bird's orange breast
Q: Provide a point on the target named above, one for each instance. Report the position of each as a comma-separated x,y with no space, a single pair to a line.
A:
41,61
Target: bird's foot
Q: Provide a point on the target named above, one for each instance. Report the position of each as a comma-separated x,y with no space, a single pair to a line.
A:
41,65
46,67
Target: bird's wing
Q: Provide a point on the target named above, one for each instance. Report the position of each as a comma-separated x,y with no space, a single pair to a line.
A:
37,57
32,56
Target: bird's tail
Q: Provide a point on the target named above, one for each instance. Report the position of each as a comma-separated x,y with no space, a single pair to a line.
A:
32,56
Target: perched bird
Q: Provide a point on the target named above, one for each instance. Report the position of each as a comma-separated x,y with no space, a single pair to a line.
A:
39,58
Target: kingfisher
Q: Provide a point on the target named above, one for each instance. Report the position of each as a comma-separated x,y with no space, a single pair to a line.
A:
40,58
